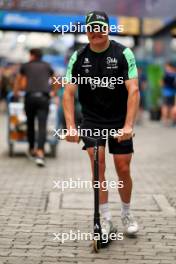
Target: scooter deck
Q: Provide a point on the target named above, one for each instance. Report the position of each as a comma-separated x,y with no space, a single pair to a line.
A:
106,243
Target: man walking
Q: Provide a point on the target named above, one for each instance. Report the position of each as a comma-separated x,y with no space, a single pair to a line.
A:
105,105
34,78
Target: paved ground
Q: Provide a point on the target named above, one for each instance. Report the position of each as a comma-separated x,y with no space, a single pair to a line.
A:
31,210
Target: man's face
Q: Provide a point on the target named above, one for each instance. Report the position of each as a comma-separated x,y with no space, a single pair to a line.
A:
169,68
97,34
32,57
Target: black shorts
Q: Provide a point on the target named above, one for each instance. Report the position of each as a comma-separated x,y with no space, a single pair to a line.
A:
124,147
169,100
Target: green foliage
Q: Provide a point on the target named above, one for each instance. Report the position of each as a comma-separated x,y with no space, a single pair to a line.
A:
154,76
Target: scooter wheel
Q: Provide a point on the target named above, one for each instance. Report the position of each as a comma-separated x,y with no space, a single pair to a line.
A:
96,246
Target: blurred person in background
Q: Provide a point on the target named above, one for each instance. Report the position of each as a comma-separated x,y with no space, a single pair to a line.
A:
168,92
5,82
173,114
7,77
142,87
34,78
1,88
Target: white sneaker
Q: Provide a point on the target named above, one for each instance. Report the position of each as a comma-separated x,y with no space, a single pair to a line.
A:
130,225
40,161
108,228
30,155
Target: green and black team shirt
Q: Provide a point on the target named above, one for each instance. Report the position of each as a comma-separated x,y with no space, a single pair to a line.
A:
101,83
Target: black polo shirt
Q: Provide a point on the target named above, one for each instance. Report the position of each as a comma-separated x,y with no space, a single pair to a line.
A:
37,73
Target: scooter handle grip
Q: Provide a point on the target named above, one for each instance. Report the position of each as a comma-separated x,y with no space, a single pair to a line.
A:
63,137
117,135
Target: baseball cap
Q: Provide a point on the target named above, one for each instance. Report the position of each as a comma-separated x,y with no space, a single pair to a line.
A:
97,17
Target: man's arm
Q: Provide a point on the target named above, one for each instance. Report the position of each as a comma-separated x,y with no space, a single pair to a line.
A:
69,98
69,109
19,84
132,108
132,103
55,86
55,83
130,75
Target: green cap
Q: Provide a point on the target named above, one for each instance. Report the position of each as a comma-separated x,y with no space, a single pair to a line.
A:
97,17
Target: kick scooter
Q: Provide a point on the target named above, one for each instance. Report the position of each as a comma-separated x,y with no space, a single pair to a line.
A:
98,241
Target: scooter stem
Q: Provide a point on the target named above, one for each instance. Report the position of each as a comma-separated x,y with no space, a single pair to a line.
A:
96,190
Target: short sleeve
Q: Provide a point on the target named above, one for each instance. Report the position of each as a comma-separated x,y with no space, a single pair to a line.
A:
72,68
129,68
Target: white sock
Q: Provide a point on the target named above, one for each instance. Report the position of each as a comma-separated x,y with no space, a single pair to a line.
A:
125,208
104,209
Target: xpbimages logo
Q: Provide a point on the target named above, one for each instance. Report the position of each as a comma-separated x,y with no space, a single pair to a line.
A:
81,28
78,235
87,132
85,184
94,82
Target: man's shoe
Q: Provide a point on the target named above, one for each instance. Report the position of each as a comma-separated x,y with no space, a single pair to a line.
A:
40,161
31,155
130,225
107,228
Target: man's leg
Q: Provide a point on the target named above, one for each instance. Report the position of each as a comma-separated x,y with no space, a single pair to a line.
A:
42,115
103,194
107,226
30,114
165,114
122,165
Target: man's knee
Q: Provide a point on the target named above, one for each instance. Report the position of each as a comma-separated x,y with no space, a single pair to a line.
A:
122,166
102,166
101,158
123,169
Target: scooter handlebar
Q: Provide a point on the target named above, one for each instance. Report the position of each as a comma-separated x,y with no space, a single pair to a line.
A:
63,137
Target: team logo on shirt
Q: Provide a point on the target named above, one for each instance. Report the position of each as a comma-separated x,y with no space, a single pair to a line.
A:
86,60
86,64
101,83
111,63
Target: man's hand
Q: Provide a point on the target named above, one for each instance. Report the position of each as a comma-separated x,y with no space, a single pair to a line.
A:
69,110
127,133
53,93
72,136
19,84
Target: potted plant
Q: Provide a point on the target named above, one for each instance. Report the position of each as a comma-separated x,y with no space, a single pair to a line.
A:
154,76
